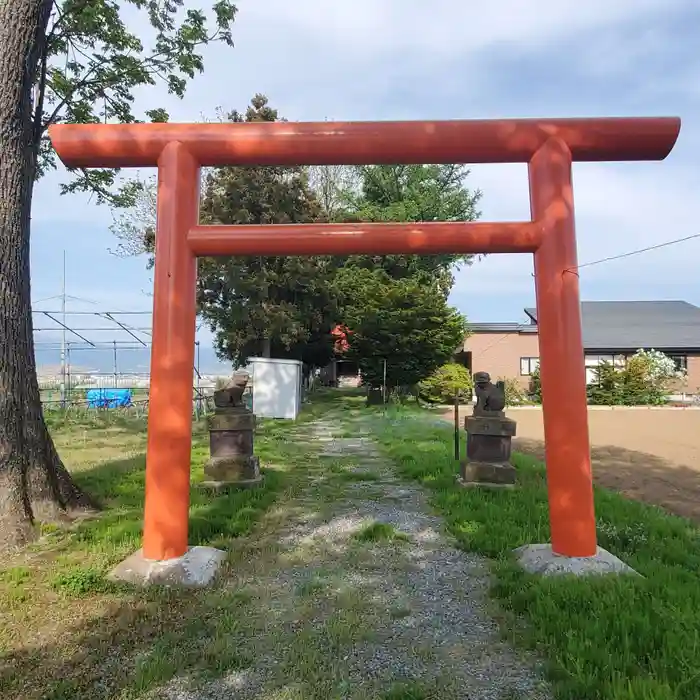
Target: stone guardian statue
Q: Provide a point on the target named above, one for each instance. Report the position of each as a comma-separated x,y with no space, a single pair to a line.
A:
231,428
489,435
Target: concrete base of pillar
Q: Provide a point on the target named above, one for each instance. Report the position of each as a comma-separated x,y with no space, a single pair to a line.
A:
540,559
196,569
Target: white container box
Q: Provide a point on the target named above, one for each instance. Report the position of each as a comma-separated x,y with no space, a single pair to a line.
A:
277,387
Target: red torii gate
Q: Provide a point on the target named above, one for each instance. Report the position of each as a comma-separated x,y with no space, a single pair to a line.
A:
549,146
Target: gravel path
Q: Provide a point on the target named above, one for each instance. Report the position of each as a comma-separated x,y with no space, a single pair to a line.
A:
335,610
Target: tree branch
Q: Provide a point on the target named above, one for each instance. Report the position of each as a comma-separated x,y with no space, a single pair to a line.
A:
150,64
66,98
52,36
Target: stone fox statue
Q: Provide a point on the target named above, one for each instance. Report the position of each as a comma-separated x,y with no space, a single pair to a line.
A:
490,398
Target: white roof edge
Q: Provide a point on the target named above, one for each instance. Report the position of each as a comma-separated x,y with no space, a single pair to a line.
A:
274,360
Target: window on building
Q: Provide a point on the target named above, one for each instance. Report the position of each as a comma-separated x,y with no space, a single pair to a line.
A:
592,362
681,362
595,360
528,365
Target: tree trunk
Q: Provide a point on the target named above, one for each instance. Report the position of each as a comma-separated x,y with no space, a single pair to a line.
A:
267,340
30,469
50,489
267,347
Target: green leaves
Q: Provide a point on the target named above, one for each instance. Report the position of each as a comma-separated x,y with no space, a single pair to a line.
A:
412,193
284,306
94,61
396,305
645,379
405,322
445,382
416,193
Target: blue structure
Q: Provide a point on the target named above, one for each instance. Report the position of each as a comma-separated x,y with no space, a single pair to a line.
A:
108,398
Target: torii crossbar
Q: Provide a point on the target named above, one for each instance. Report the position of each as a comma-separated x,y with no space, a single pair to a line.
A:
548,146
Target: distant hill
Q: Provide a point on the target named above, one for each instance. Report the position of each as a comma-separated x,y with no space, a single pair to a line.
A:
129,360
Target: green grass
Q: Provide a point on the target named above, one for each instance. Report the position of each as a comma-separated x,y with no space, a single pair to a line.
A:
399,612
359,475
79,581
405,691
66,632
15,575
119,483
380,532
64,626
612,638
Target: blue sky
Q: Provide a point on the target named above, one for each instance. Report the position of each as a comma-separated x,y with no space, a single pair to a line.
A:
408,59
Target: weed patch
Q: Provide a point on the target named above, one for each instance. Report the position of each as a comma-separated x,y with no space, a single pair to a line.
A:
380,532
78,582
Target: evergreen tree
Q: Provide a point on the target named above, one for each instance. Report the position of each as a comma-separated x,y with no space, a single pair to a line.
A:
401,327
418,193
395,306
272,306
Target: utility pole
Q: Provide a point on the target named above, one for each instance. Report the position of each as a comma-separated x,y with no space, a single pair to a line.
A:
197,387
63,335
116,369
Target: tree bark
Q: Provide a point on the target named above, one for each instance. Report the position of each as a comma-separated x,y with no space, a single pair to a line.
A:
267,347
30,469
50,488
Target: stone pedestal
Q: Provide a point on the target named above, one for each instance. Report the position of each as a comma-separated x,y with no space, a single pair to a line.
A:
488,451
232,463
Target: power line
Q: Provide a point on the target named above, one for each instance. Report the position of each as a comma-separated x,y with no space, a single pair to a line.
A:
495,342
101,329
95,313
41,301
98,345
634,252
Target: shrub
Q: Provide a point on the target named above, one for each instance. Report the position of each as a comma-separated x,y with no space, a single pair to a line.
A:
645,380
657,369
607,386
514,392
535,390
441,385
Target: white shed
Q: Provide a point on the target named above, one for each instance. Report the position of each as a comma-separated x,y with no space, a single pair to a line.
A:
277,387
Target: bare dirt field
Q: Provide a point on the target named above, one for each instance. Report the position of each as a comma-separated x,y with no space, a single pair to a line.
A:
649,455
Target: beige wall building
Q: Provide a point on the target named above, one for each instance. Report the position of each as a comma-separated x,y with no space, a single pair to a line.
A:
612,331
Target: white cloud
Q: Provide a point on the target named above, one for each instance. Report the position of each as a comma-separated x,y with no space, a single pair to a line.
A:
405,59
620,208
443,27
646,203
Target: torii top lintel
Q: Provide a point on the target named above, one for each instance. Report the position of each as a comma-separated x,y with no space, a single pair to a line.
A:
361,143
